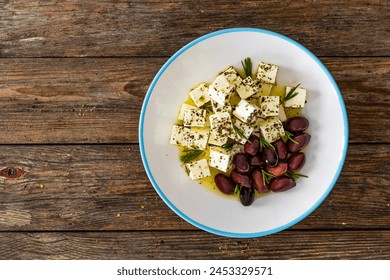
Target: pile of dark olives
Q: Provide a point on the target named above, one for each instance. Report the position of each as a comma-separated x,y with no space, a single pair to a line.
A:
280,160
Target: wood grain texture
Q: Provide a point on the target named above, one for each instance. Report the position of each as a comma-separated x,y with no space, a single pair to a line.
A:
73,76
155,28
195,245
99,100
73,100
85,187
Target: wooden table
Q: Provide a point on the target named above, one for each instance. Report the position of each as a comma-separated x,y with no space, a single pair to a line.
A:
73,75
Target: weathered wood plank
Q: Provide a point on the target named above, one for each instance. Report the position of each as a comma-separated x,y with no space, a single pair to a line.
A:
85,187
72,100
154,28
99,100
195,245
362,99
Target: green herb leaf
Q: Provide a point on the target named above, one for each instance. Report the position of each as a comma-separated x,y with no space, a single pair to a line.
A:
292,93
264,143
240,133
228,146
190,155
247,65
237,190
267,177
208,107
289,136
295,175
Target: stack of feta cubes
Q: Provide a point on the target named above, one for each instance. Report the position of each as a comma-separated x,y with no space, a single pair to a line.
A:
256,112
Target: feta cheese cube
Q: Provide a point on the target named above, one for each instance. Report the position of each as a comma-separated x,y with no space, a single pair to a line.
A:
217,141
198,139
269,106
223,85
282,114
200,94
271,129
220,96
246,131
221,126
221,158
195,138
246,112
180,135
266,72
219,109
198,169
232,76
184,107
247,88
297,101
194,117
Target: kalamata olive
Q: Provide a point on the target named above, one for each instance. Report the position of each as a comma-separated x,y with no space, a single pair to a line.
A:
240,179
252,146
302,139
247,196
278,170
224,184
269,156
241,162
296,124
281,149
257,181
281,184
257,161
296,162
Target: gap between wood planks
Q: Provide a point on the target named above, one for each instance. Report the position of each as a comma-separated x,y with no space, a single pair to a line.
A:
166,56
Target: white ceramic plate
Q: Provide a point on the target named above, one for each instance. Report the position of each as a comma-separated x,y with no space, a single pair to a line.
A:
200,61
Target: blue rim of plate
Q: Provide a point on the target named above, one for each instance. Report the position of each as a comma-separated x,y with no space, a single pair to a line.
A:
160,192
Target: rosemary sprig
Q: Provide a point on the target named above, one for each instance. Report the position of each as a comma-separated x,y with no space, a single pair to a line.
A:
247,65
208,107
264,143
267,177
228,146
289,136
237,190
240,133
190,155
295,175
292,93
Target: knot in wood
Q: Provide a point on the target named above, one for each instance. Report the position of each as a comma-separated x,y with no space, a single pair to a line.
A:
12,172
